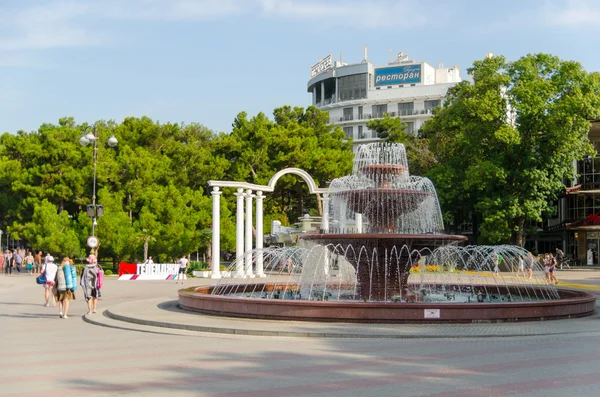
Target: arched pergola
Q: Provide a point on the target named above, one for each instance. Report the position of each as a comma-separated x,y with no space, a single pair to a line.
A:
243,230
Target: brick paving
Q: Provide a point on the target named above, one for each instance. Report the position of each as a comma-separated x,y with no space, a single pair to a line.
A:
43,355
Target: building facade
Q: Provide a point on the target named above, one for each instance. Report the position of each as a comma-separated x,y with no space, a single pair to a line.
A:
355,93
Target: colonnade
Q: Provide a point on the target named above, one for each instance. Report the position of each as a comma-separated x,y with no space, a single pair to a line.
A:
243,233
247,196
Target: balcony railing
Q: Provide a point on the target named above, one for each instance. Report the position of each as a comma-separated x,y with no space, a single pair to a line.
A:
368,116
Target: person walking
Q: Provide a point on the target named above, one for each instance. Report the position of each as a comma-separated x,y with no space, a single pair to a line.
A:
521,266
560,257
63,293
183,262
89,283
49,270
8,262
18,260
37,263
551,269
2,260
497,263
29,262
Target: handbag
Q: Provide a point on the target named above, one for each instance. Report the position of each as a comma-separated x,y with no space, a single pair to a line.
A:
41,279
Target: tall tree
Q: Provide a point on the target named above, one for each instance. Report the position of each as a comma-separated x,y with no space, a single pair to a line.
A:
392,129
507,140
259,147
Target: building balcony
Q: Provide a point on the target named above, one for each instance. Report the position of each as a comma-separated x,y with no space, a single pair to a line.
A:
348,118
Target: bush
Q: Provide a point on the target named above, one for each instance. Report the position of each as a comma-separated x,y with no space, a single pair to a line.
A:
108,272
196,266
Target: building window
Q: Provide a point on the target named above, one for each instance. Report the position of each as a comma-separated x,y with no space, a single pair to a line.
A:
432,104
352,87
348,114
379,110
406,108
360,112
349,131
361,135
410,127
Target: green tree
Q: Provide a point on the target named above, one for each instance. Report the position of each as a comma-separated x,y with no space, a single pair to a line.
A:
506,141
392,129
259,147
52,232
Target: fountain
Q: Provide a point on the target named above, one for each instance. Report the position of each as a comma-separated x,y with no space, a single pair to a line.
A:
385,258
402,218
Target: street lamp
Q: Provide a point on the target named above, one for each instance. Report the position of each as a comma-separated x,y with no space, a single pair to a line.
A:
1,242
84,141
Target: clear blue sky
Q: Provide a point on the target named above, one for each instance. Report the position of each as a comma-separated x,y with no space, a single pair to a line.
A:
206,60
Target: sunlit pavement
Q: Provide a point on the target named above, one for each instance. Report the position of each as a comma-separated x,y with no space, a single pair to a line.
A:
43,355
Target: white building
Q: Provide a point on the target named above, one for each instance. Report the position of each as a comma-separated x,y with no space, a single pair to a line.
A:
355,93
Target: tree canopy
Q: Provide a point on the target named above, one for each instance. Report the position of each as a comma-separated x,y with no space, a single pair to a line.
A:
505,142
153,185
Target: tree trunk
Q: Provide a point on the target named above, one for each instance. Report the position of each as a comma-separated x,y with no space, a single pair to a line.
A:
319,205
209,249
519,234
145,249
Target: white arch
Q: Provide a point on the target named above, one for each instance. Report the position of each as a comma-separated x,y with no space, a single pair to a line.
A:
246,190
312,186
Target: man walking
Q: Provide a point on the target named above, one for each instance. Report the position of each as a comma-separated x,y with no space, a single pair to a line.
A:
183,262
18,261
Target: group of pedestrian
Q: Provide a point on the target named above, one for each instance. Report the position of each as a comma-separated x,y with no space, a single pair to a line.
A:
525,266
60,283
20,261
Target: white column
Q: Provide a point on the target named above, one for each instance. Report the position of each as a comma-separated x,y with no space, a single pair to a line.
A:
359,223
248,253
239,234
315,95
216,234
343,219
259,235
322,93
325,217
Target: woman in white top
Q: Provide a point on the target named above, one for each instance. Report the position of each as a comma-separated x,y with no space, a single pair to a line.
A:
49,270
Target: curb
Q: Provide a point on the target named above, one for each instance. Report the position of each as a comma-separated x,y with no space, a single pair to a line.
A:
323,335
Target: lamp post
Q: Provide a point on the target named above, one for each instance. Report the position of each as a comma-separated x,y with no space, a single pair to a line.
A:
1,242
84,141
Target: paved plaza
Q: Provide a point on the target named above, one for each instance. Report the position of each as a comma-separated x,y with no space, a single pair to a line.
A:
161,351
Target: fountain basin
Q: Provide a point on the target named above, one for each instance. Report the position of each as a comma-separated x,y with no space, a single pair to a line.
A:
572,304
377,280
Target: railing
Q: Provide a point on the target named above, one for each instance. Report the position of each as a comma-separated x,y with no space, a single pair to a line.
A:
368,116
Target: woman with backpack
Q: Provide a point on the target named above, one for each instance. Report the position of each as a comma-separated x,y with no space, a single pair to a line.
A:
49,271
64,287
91,283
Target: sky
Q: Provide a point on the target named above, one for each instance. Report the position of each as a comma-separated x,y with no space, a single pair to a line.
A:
204,61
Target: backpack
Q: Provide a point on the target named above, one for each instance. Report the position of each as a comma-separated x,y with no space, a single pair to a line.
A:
100,279
74,277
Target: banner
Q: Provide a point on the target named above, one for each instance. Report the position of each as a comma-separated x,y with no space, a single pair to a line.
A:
408,74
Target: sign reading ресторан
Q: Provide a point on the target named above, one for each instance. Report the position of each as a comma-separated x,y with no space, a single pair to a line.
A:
406,74
323,65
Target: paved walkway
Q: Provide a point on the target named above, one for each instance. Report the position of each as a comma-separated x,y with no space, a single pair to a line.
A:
43,355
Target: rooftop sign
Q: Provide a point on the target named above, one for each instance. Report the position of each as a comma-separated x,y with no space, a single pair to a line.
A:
323,65
408,74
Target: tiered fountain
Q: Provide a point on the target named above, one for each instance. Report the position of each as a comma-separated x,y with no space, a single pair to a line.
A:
384,259
400,211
